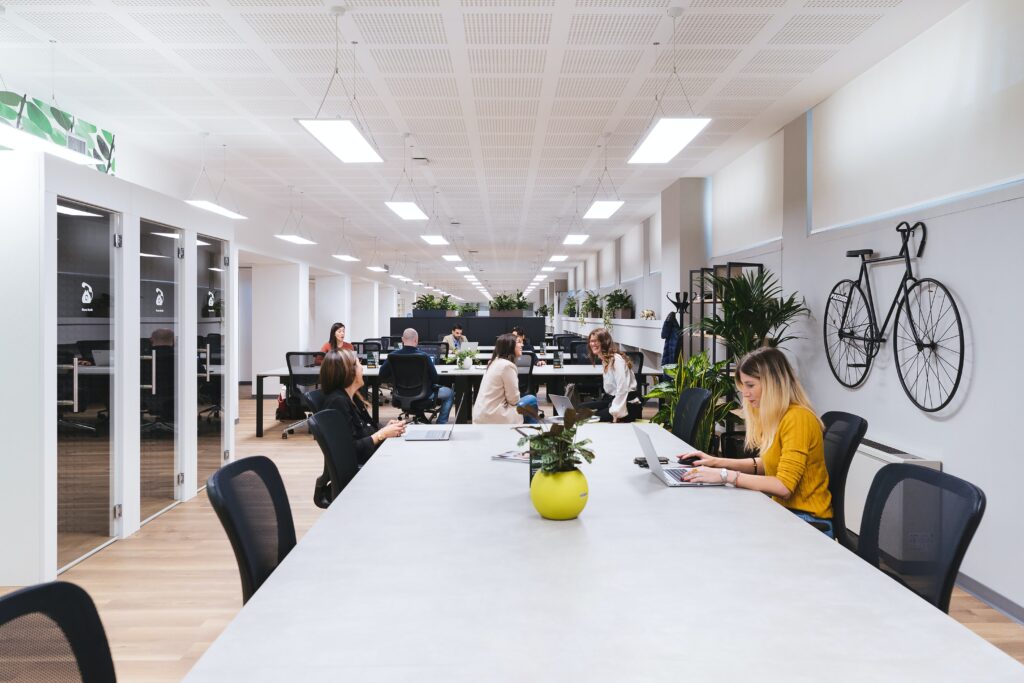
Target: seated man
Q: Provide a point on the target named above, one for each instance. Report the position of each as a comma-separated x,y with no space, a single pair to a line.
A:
456,339
410,340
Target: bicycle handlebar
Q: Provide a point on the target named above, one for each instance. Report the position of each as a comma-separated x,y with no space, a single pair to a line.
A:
906,230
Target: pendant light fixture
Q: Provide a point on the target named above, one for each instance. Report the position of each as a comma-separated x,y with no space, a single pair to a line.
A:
344,138
294,235
667,136
603,208
374,265
344,251
207,198
406,210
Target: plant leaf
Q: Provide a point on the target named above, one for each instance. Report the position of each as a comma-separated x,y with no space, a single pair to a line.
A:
11,99
63,119
36,115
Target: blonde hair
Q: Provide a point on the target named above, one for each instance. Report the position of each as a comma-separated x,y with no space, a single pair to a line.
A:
609,349
780,389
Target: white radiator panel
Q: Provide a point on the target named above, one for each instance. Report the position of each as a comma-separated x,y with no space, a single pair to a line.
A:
869,459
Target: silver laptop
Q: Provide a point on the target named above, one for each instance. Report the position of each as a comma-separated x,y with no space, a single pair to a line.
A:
428,432
669,476
561,403
101,357
469,346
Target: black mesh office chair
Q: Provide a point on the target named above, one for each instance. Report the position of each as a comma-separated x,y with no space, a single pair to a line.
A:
843,433
917,525
252,505
524,367
588,388
437,350
690,409
390,343
158,390
579,351
303,374
637,360
411,385
364,347
334,437
52,633
313,401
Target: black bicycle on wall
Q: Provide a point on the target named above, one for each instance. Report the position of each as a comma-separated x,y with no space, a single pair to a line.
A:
928,337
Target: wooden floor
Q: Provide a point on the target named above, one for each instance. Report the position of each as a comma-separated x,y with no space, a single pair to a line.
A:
167,592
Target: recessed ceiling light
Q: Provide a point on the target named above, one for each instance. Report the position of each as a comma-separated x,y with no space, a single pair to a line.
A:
68,211
295,239
548,269
377,269
603,209
201,243
666,139
151,255
558,259
435,240
452,257
216,208
417,284
575,239
407,211
397,277
342,139
345,257
169,235
462,269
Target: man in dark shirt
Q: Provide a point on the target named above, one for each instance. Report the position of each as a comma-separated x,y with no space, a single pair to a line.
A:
410,340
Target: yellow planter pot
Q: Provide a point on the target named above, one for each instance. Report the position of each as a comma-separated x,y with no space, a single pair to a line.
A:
561,495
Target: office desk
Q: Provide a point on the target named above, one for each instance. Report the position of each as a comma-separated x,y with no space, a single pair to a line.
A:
432,565
466,380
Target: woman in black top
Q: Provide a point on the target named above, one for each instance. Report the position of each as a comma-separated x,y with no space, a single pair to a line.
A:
341,377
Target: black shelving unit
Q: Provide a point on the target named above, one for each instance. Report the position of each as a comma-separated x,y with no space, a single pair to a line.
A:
704,302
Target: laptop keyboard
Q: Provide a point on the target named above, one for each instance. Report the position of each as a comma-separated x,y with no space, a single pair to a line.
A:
676,474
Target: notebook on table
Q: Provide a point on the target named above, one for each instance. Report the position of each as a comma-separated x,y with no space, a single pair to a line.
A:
428,432
669,476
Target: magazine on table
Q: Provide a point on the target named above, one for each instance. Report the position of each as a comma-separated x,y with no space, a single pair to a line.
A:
512,456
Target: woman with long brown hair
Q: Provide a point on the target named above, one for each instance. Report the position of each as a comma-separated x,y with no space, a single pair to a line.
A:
620,402
498,396
784,430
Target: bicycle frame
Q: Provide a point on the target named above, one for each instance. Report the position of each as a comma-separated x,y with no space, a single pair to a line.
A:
902,291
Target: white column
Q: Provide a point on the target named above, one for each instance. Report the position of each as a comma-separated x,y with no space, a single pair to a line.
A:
684,234
280,316
387,307
333,305
365,321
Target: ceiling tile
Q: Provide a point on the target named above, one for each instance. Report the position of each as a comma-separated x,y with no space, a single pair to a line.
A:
80,27
223,60
507,29
400,29
186,28
824,29
613,29
718,29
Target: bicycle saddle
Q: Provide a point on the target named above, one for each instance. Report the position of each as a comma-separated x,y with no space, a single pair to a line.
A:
854,253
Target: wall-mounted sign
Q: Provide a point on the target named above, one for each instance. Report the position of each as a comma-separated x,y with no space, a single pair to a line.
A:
36,117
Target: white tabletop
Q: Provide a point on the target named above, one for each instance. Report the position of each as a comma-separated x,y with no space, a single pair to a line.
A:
433,566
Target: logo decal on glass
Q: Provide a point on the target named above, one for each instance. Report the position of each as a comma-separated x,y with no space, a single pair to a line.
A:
86,293
159,297
209,298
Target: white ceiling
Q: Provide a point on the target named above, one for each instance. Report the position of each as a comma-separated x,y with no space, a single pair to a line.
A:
509,100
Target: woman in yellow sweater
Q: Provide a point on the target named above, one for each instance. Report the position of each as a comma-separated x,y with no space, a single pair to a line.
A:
783,428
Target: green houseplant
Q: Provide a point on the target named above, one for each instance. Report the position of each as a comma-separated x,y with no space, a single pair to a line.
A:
468,310
463,358
429,306
509,305
752,312
569,308
543,310
558,490
697,371
591,305
619,303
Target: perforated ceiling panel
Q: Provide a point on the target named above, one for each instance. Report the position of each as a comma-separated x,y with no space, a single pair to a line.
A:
511,102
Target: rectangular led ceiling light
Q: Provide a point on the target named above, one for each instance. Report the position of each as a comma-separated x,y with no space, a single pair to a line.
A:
345,257
407,211
216,208
295,239
462,269
452,257
20,140
558,258
548,269
68,211
666,139
434,240
575,239
169,235
342,139
377,269
603,209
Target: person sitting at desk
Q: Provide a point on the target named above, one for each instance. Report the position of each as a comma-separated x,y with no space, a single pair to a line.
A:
620,402
498,395
525,344
783,427
456,339
410,340
336,342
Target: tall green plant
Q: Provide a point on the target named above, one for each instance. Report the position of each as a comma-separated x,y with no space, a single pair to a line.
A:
569,309
510,302
428,302
591,305
752,312
697,371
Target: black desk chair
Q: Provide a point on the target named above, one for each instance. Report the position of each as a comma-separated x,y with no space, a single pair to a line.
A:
637,360
843,434
52,632
411,385
252,505
436,350
690,409
579,351
524,367
158,390
941,510
313,401
588,388
364,347
334,437
303,374
390,343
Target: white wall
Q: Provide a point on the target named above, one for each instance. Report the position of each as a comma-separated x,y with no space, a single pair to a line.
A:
280,305
608,264
365,321
631,254
387,306
245,325
590,272
938,117
333,305
746,204
654,241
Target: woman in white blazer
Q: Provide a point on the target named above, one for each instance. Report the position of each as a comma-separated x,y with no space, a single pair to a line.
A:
620,402
498,396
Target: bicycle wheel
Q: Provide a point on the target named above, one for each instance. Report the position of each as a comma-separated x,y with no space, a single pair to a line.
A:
849,334
931,362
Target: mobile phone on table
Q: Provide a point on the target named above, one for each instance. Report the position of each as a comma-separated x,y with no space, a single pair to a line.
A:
642,462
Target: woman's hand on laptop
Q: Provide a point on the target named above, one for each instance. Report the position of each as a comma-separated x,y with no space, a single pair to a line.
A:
704,474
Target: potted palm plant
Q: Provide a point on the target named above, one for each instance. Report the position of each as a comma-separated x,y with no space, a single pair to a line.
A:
558,489
569,309
697,371
429,306
509,305
619,303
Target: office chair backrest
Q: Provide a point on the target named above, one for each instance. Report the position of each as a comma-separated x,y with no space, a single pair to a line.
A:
390,343
690,409
411,378
580,351
437,350
303,369
334,436
917,525
372,345
637,360
52,632
524,367
843,433
313,401
252,504
565,343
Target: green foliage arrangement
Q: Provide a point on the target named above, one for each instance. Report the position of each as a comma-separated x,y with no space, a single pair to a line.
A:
569,309
543,310
447,303
618,298
468,308
697,371
752,312
591,305
557,447
428,302
461,355
510,302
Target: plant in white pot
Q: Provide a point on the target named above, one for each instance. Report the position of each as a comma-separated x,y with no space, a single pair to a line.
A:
558,490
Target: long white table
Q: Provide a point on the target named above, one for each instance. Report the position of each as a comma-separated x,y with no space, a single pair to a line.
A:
433,566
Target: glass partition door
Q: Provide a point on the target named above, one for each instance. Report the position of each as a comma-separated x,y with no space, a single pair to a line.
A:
160,254
211,280
86,376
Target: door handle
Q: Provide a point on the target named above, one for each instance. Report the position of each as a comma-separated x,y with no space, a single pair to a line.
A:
152,373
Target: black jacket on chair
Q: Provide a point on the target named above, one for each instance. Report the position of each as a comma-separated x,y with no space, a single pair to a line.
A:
356,415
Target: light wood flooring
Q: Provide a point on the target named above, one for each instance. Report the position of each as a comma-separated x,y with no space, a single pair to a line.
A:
167,592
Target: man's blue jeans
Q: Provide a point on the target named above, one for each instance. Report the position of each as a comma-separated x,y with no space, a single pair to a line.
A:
529,400
446,397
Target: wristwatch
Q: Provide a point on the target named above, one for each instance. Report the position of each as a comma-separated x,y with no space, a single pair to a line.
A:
724,473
